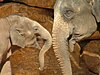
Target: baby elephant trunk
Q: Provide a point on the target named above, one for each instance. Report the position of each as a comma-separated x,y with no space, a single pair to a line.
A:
45,48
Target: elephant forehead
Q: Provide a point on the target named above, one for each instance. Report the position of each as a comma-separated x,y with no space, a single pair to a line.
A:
76,5
25,25
35,23
30,23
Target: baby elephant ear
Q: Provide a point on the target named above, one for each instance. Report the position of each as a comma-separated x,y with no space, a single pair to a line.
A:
96,9
17,37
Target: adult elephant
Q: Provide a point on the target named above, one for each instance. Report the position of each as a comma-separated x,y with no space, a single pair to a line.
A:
73,21
23,32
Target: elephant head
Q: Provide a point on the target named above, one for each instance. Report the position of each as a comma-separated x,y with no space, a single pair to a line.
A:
23,32
26,32
73,21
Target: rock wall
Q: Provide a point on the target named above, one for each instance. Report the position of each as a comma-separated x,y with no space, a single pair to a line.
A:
38,3
25,61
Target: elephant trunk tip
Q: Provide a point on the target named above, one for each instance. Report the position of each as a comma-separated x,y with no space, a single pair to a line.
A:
41,69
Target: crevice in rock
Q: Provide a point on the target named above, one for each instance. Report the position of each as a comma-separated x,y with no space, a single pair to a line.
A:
7,1
92,72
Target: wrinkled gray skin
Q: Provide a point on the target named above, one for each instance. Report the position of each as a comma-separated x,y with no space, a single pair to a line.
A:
6,70
73,21
23,32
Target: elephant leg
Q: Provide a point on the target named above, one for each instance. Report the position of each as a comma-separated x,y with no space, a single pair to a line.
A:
4,45
3,49
6,70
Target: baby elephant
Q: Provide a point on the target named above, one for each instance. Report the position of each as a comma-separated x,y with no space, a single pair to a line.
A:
22,31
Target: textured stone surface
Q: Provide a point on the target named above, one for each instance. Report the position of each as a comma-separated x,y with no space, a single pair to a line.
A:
21,62
96,35
25,62
38,3
91,56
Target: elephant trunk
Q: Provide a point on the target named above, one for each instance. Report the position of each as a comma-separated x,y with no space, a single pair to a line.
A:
60,46
60,36
45,48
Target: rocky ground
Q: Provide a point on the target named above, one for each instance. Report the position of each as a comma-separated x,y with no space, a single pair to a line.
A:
25,61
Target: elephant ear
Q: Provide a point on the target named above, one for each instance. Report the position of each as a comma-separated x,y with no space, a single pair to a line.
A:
17,36
96,9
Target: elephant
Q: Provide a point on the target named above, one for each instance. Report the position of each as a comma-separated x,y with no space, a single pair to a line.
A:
23,32
74,20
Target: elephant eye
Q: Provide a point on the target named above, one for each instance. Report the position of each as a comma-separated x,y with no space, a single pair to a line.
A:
35,28
68,13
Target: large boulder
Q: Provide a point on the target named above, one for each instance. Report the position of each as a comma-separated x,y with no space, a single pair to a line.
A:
91,56
38,3
25,62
